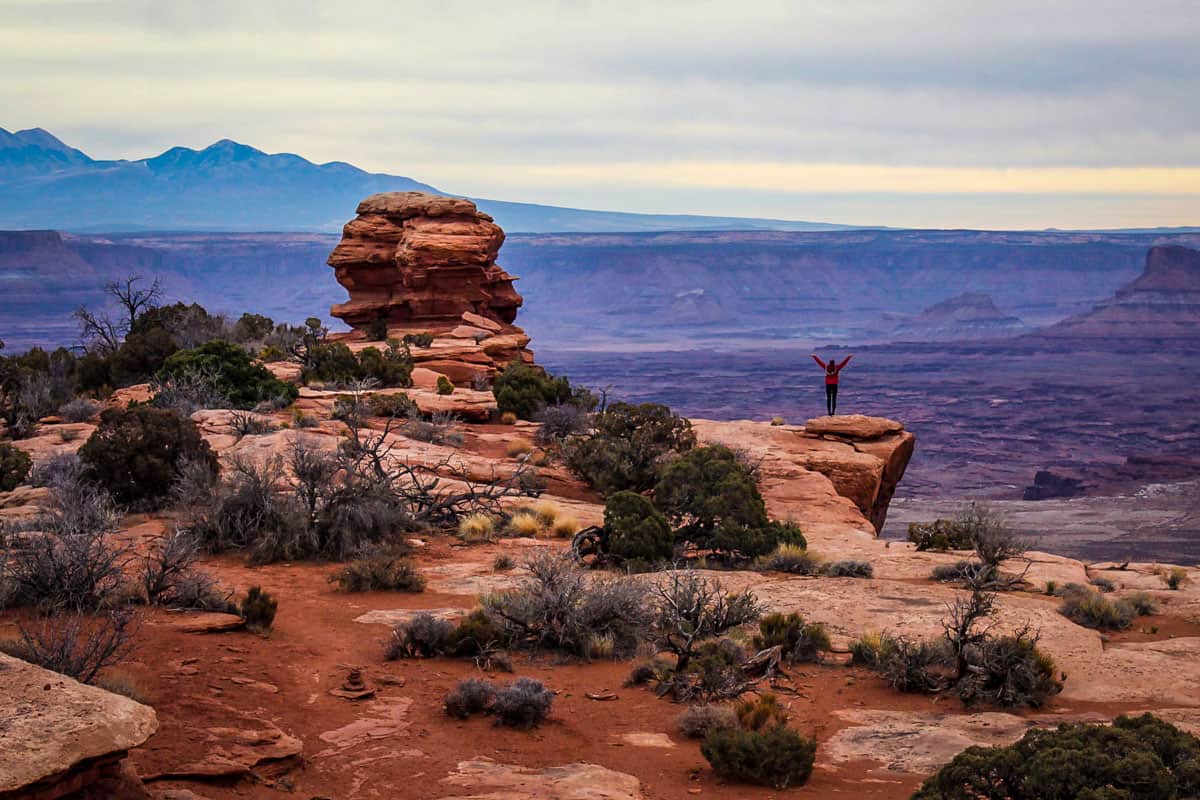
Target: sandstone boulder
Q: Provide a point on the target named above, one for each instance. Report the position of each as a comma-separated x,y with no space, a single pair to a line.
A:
57,733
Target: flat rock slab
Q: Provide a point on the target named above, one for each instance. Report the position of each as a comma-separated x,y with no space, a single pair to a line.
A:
853,426
50,724
381,718
395,616
646,740
209,622
206,738
488,780
919,743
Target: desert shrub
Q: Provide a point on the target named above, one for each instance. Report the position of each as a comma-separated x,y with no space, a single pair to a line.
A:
397,405
917,666
797,640
556,607
475,634
258,609
244,383
135,453
247,424
439,428
76,644
565,526
962,571
302,420
63,467
377,330
470,696
691,609
253,328
140,356
508,418
547,512
793,558
778,756
714,672
523,704
1136,758
169,576
335,363
760,713
643,673
627,445
518,447
523,523
422,340
74,562
1009,671
15,464
423,636
872,650
81,409
503,563
477,528
1093,610
560,422
1103,584
524,390
848,569
444,386
777,421
696,722
941,534
714,503
379,567
636,530
1175,577
1143,604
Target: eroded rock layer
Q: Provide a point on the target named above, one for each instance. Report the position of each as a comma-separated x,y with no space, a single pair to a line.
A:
415,257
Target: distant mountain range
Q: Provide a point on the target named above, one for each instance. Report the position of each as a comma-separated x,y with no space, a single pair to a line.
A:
227,186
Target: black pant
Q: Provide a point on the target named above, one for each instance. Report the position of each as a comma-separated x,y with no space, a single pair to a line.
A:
831,398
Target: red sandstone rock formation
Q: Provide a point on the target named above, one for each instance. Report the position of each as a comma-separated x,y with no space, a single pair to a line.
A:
414,257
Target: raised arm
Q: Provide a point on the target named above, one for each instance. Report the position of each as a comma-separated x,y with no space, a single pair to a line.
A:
819,361
845,361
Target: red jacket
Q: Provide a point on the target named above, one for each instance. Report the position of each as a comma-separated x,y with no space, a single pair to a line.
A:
831,378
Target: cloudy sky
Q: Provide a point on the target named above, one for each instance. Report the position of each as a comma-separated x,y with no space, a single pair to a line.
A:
962,113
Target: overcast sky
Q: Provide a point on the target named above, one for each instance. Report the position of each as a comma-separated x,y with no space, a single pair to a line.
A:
919,113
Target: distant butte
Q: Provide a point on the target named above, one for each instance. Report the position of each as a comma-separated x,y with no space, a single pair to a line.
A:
1161,303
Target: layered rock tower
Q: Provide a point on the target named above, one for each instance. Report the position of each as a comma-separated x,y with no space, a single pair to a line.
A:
425,263
410,257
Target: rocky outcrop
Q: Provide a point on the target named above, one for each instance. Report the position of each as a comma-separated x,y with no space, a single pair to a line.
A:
1162,303
415,257
59,736
845,468
427,265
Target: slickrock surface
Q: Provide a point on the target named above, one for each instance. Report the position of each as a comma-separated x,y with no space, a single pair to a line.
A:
488,780
92,730
830,460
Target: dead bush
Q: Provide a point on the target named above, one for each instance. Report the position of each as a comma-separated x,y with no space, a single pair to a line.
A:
258,609
75,643
73,561
169,576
